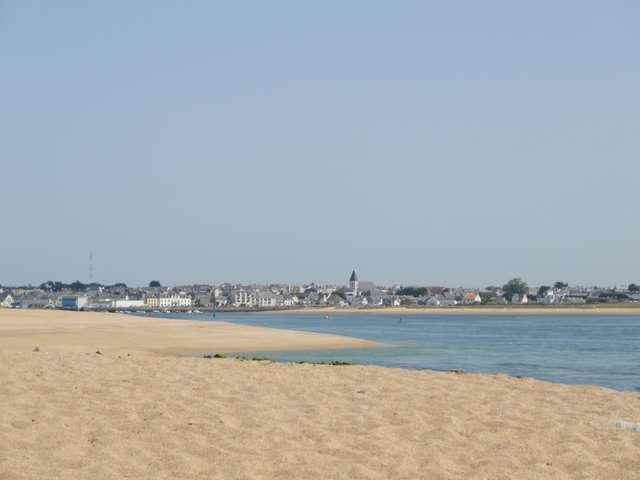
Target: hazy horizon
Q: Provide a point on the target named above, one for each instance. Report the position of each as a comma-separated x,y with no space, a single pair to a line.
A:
421,143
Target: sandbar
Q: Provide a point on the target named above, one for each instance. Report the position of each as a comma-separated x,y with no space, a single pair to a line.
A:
82,332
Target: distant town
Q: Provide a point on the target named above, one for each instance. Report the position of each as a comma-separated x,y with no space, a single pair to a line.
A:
354,293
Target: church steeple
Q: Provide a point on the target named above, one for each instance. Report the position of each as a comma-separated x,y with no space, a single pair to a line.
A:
354,277
353,282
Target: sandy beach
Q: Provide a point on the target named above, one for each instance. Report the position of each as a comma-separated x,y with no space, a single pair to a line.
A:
86,332
137,411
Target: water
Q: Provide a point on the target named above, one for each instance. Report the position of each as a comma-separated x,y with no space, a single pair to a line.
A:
574,349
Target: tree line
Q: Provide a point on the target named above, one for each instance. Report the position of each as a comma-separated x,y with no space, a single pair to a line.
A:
76,286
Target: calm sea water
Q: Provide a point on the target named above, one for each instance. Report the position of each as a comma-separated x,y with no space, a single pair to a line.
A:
575,349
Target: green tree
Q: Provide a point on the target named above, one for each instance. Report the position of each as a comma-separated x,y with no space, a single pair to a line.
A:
340,293
154,283
634,288
487,296
560,285
513,286
543,290
53,286
77,286
413,291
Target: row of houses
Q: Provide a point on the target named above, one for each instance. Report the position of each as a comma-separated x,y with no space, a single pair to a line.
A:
356,294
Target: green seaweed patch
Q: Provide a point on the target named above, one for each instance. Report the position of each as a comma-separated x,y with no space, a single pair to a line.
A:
242,358
262,359
326,362
217,355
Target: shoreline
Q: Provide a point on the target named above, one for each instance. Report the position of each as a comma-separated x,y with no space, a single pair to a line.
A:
589,309
461,311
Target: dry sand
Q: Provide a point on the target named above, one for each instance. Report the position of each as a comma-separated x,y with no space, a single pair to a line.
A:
82,332
70,414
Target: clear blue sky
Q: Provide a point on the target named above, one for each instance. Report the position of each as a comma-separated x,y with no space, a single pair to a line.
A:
451,143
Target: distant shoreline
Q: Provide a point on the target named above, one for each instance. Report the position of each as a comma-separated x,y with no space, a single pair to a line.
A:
470,310
590,309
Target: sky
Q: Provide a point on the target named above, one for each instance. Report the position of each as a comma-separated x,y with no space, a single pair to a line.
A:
417,142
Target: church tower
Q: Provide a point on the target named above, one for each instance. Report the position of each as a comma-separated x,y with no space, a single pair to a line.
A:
353,282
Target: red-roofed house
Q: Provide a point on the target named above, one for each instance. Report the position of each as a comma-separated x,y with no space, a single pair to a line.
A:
471,298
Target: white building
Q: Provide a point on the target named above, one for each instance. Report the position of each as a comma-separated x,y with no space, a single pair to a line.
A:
126,304
265,299
172,301
520,300
242,298
441,301
7,301
289,301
